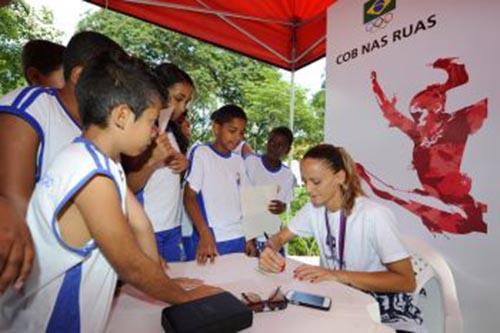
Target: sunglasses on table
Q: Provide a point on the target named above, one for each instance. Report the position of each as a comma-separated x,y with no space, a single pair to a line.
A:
277,301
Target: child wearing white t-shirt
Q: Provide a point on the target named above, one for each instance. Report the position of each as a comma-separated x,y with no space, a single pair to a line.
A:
359,244
212,190
268,169
156,175
243,149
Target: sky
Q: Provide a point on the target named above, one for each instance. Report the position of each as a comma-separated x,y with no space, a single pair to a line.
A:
67,13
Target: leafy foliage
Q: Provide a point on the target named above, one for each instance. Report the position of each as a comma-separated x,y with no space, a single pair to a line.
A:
20,23
221,77
301,246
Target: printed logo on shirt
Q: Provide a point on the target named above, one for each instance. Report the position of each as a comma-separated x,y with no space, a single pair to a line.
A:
238,179
47,181
122,176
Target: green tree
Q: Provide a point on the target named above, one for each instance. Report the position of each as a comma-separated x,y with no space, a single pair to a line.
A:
308,246
221,77
268,103
314,126
301,246
20,23
219,74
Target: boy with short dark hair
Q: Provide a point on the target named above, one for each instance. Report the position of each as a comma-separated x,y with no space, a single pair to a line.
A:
42,62
212,191
268,169
84,219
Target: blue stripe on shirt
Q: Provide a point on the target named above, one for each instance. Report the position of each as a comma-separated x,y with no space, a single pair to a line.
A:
65,316
190,158
85,250
54,93
95,153
32,97
19,98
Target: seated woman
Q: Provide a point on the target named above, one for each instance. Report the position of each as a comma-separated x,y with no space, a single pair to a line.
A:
359,244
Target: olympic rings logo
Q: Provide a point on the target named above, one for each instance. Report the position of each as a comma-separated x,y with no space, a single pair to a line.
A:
379,23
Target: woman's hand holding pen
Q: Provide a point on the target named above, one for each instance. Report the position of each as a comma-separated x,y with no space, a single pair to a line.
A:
270,260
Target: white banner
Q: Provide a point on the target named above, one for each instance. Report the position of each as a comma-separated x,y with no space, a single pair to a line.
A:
413,94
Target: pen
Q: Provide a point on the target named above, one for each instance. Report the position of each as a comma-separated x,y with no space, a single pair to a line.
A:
268,244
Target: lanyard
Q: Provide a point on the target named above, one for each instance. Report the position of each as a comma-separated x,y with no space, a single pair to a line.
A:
343,221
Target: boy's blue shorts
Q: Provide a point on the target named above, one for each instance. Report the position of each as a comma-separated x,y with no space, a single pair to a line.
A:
169,243
189,247
236,245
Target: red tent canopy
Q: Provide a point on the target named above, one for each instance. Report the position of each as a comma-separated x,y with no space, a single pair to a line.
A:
286,33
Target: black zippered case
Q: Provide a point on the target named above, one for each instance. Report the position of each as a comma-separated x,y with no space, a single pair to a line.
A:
221,313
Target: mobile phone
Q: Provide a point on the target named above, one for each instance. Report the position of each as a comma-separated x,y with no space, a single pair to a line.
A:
310,300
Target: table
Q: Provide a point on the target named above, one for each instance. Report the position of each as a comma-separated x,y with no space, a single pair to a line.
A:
351,311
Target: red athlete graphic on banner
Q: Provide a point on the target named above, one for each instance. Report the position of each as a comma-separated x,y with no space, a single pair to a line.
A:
439,140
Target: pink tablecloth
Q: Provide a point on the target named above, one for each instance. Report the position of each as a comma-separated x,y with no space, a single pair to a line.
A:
351,311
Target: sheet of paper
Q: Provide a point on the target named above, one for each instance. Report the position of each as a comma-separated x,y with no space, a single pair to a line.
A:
163,119
256,217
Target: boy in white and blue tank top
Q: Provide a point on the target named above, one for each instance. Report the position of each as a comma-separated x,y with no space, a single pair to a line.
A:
37,122
212,192
81,215
43,110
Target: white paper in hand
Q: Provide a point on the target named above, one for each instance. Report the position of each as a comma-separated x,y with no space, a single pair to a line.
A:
257,219
164,117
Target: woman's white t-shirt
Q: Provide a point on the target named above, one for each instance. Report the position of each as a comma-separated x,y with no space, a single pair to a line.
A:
371,239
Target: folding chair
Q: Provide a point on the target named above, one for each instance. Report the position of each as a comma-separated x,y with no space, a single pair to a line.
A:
436,293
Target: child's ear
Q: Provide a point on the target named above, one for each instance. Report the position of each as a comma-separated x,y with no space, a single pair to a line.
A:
120,116
215,128
75,74
32,75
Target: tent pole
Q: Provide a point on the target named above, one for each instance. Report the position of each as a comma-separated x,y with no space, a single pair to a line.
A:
292,112
290,155
293,54
292,107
